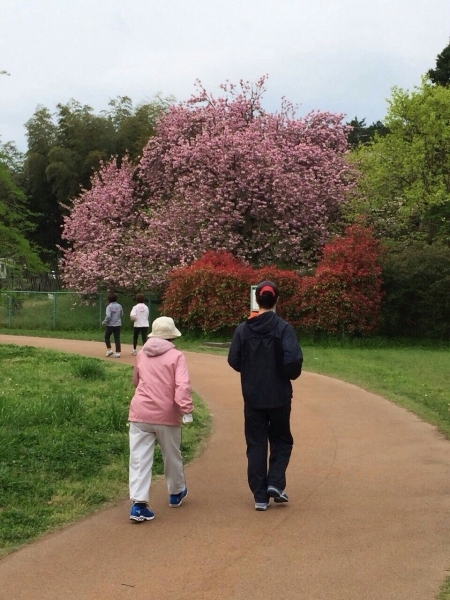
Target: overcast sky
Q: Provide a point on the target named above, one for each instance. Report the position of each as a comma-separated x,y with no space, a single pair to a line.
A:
336,55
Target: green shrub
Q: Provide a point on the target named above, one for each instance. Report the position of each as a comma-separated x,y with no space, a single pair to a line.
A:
89,368
417,292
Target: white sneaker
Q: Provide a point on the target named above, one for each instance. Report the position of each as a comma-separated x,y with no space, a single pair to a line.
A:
109,353
116,355
134,352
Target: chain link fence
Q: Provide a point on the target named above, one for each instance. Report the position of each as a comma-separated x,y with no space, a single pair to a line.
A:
64,311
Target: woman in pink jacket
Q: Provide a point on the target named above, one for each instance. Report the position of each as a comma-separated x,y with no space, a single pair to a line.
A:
162,401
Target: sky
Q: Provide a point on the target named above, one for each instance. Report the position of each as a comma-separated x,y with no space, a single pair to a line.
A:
341,56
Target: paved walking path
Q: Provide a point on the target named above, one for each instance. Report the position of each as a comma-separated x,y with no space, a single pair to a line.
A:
369,516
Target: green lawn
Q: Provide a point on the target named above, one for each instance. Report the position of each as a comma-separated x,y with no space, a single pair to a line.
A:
63,439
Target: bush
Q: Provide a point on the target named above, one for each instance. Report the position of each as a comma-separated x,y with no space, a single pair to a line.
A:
344,295
210,295
417,292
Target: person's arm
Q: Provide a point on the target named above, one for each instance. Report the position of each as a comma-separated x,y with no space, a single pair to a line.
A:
133,313
108,316
292,353
135,375
235,351
183,391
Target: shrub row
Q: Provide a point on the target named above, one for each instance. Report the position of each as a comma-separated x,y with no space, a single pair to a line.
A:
342,297
416,283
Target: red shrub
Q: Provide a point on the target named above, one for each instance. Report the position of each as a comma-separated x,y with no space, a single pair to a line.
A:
211,294
344,296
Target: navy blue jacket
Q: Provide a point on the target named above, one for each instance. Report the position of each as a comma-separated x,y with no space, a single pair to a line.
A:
266,352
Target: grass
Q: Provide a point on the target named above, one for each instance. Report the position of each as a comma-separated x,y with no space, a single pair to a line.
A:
65,311
63,439
413,373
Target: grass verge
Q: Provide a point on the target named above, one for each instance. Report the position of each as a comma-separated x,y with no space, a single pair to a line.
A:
63,439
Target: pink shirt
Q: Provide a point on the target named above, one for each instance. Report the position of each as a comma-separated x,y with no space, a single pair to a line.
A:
163,389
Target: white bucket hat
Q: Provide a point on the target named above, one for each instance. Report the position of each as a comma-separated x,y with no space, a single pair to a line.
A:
164,328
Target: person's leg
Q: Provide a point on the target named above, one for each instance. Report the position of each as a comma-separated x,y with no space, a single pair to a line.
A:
116,334
281,442
135,337
108,332
142,448
144,333
169,439
256,436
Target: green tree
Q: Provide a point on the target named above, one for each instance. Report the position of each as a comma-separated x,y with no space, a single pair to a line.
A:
41,133
65,148
16,252
441,74
361,133
404,190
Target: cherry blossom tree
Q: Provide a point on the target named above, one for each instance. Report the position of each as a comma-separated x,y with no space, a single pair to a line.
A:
220,174
104,230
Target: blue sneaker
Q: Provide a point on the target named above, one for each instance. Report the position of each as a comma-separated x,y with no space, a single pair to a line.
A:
176,499
261,505
278,496
141,513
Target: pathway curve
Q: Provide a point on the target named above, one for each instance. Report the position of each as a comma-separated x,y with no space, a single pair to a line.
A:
368,519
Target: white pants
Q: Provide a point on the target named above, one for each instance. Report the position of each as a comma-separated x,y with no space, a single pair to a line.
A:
143,437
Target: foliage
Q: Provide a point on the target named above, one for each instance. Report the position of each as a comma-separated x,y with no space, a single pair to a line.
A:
441,74
65,148
417,291
405,187
220,174
344,297
361,133
107,235
211,294
16,252
223,174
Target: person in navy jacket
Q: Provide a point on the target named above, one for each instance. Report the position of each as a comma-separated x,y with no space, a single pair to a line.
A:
266,352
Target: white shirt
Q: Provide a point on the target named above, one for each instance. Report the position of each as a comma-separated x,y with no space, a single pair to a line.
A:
139,314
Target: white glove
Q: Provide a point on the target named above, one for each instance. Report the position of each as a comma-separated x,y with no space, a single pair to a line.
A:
187,418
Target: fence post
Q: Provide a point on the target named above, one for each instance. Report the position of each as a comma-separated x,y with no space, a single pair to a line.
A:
100,305
54,311
9,310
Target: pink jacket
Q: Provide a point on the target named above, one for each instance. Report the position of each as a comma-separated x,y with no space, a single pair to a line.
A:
163,389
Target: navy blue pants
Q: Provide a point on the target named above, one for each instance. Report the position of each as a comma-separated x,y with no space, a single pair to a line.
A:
267,428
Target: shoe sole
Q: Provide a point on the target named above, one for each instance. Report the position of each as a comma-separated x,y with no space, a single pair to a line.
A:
141,519
277,495
261,508
180,503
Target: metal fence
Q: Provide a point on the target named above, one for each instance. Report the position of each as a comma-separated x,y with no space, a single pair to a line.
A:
65,311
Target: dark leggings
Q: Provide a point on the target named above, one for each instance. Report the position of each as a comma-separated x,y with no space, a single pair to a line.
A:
139,330
266,428
116,333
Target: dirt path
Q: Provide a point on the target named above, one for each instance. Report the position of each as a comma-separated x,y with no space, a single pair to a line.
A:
368,519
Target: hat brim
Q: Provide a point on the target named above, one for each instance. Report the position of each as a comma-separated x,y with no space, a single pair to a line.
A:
166,336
